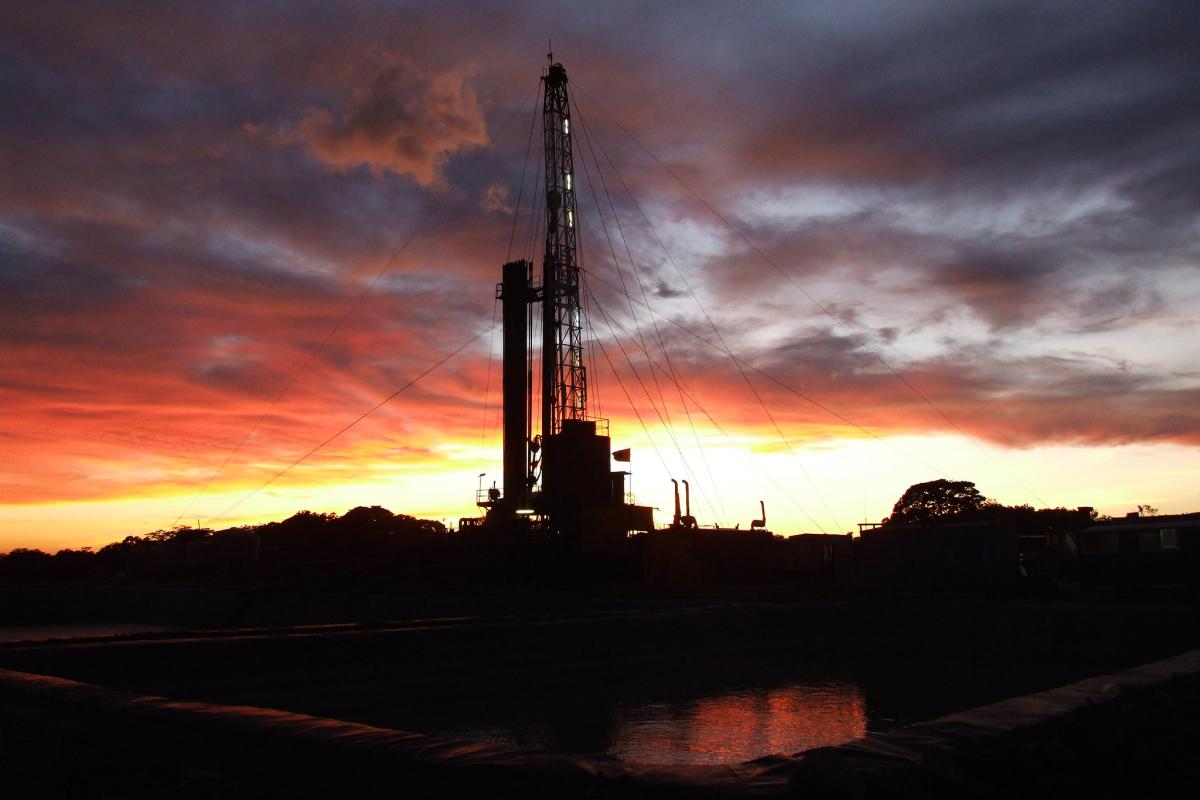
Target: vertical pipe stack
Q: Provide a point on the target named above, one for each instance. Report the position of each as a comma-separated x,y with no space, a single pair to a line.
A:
514,292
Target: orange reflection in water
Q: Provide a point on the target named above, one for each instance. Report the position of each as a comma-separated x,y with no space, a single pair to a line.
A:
741,725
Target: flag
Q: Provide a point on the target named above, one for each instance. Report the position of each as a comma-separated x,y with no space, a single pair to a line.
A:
621,455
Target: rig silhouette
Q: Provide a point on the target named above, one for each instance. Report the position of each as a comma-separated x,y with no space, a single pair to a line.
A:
560,480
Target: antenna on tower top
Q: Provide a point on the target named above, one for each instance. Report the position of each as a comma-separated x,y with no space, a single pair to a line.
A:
549,51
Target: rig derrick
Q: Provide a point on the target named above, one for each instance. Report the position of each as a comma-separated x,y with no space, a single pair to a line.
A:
559,482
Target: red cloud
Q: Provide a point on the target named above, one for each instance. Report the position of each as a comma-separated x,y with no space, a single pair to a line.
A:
401,121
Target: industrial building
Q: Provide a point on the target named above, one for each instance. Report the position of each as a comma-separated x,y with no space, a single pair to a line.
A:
1141,552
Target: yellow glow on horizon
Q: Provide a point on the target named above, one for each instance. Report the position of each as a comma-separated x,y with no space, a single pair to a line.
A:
848,481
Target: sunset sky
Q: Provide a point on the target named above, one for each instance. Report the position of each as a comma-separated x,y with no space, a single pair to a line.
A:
953,240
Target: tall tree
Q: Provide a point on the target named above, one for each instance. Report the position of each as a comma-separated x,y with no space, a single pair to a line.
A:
936,500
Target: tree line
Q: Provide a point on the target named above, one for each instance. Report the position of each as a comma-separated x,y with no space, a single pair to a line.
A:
362,533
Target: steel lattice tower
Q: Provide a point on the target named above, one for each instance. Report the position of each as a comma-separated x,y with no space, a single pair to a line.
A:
564,379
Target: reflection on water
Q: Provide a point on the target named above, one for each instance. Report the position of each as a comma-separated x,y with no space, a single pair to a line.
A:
718,706
714,711
741,725
729,727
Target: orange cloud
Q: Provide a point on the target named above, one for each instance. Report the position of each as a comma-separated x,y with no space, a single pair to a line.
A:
401,121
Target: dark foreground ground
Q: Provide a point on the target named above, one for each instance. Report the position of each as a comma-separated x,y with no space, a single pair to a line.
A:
1139,741
1124,735
1118,743
60,750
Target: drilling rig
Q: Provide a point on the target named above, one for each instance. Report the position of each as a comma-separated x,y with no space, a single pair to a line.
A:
558,482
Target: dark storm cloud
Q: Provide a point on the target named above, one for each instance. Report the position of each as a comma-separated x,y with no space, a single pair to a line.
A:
1003,287
1066,130
985,85
667,291
823,352
1095,271
821,379
1115,307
